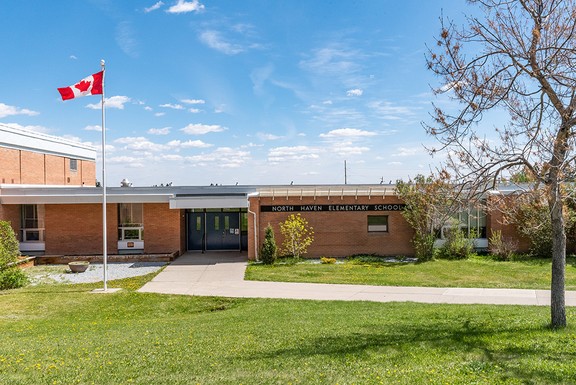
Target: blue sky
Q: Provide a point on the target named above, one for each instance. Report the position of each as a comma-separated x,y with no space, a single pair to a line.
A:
226,92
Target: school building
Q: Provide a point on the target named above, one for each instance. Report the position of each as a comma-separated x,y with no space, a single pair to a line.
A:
49,195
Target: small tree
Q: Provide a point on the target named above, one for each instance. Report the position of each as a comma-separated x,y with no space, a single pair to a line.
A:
269,251
297,235
429,204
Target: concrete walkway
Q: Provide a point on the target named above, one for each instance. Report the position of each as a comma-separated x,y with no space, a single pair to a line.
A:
222,274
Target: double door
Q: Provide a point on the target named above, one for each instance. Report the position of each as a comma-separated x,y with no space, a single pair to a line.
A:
214,231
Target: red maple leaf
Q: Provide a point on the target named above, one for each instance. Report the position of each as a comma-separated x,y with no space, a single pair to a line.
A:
83,85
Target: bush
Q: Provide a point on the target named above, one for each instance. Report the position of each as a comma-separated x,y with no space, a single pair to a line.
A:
457,246
500,248
12,278
327,260
9,247
268,253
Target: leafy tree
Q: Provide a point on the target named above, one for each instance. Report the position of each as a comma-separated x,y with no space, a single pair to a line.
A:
528,212
429,204
516,59
269,251
297,235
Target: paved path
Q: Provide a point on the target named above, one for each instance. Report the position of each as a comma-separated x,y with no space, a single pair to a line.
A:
222,274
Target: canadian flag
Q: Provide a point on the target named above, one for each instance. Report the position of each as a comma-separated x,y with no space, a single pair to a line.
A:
91,85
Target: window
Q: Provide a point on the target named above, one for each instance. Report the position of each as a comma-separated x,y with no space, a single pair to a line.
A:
130,222
32,223
73,164
471,221
377,223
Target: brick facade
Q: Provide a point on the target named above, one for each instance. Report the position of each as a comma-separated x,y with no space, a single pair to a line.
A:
162,228
36,168
75,229
340,233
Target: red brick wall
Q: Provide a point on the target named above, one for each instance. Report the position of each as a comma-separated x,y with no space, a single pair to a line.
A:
162,228
54,173
11,213
88,169
337,233
9,166
495,222
76,229
26,167
32,168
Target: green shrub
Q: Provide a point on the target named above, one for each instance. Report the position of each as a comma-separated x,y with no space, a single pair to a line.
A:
457,246
500,248
268,253
12,278
9,247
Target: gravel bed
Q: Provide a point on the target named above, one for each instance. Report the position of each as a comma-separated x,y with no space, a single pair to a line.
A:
95,273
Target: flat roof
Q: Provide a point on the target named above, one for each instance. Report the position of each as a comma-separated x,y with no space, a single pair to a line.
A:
21,139
179,196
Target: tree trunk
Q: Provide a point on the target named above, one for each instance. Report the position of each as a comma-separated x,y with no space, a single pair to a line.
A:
557,290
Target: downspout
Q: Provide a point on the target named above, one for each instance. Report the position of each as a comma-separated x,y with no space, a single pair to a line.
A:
255,227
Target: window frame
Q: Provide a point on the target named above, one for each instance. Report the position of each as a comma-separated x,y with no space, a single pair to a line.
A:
377,227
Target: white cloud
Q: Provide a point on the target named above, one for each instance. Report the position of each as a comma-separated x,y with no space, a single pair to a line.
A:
183,6
97,128
122,159
347,132
390,111
126,39
214,40
172,106
223,157
295,153
172,157
154,7
6,110
194,110
188,144
333,60
327,102
193,101
347,148
160,114
159,131
148,108
112,102
140,144
405,151
355,92
267,136
16,126
73,57
201,129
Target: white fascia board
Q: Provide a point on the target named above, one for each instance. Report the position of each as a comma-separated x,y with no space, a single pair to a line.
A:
19,139
208,202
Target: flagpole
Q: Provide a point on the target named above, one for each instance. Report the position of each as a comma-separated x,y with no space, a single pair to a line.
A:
104,226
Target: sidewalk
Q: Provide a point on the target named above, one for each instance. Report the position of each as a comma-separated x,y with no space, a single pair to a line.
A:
222,274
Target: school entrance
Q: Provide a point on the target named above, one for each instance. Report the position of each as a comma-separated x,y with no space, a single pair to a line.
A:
217,229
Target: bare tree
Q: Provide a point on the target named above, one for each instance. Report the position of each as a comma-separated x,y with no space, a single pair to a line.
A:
518,58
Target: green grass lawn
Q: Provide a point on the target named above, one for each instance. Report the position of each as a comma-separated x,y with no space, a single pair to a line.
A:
474,272
63,334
